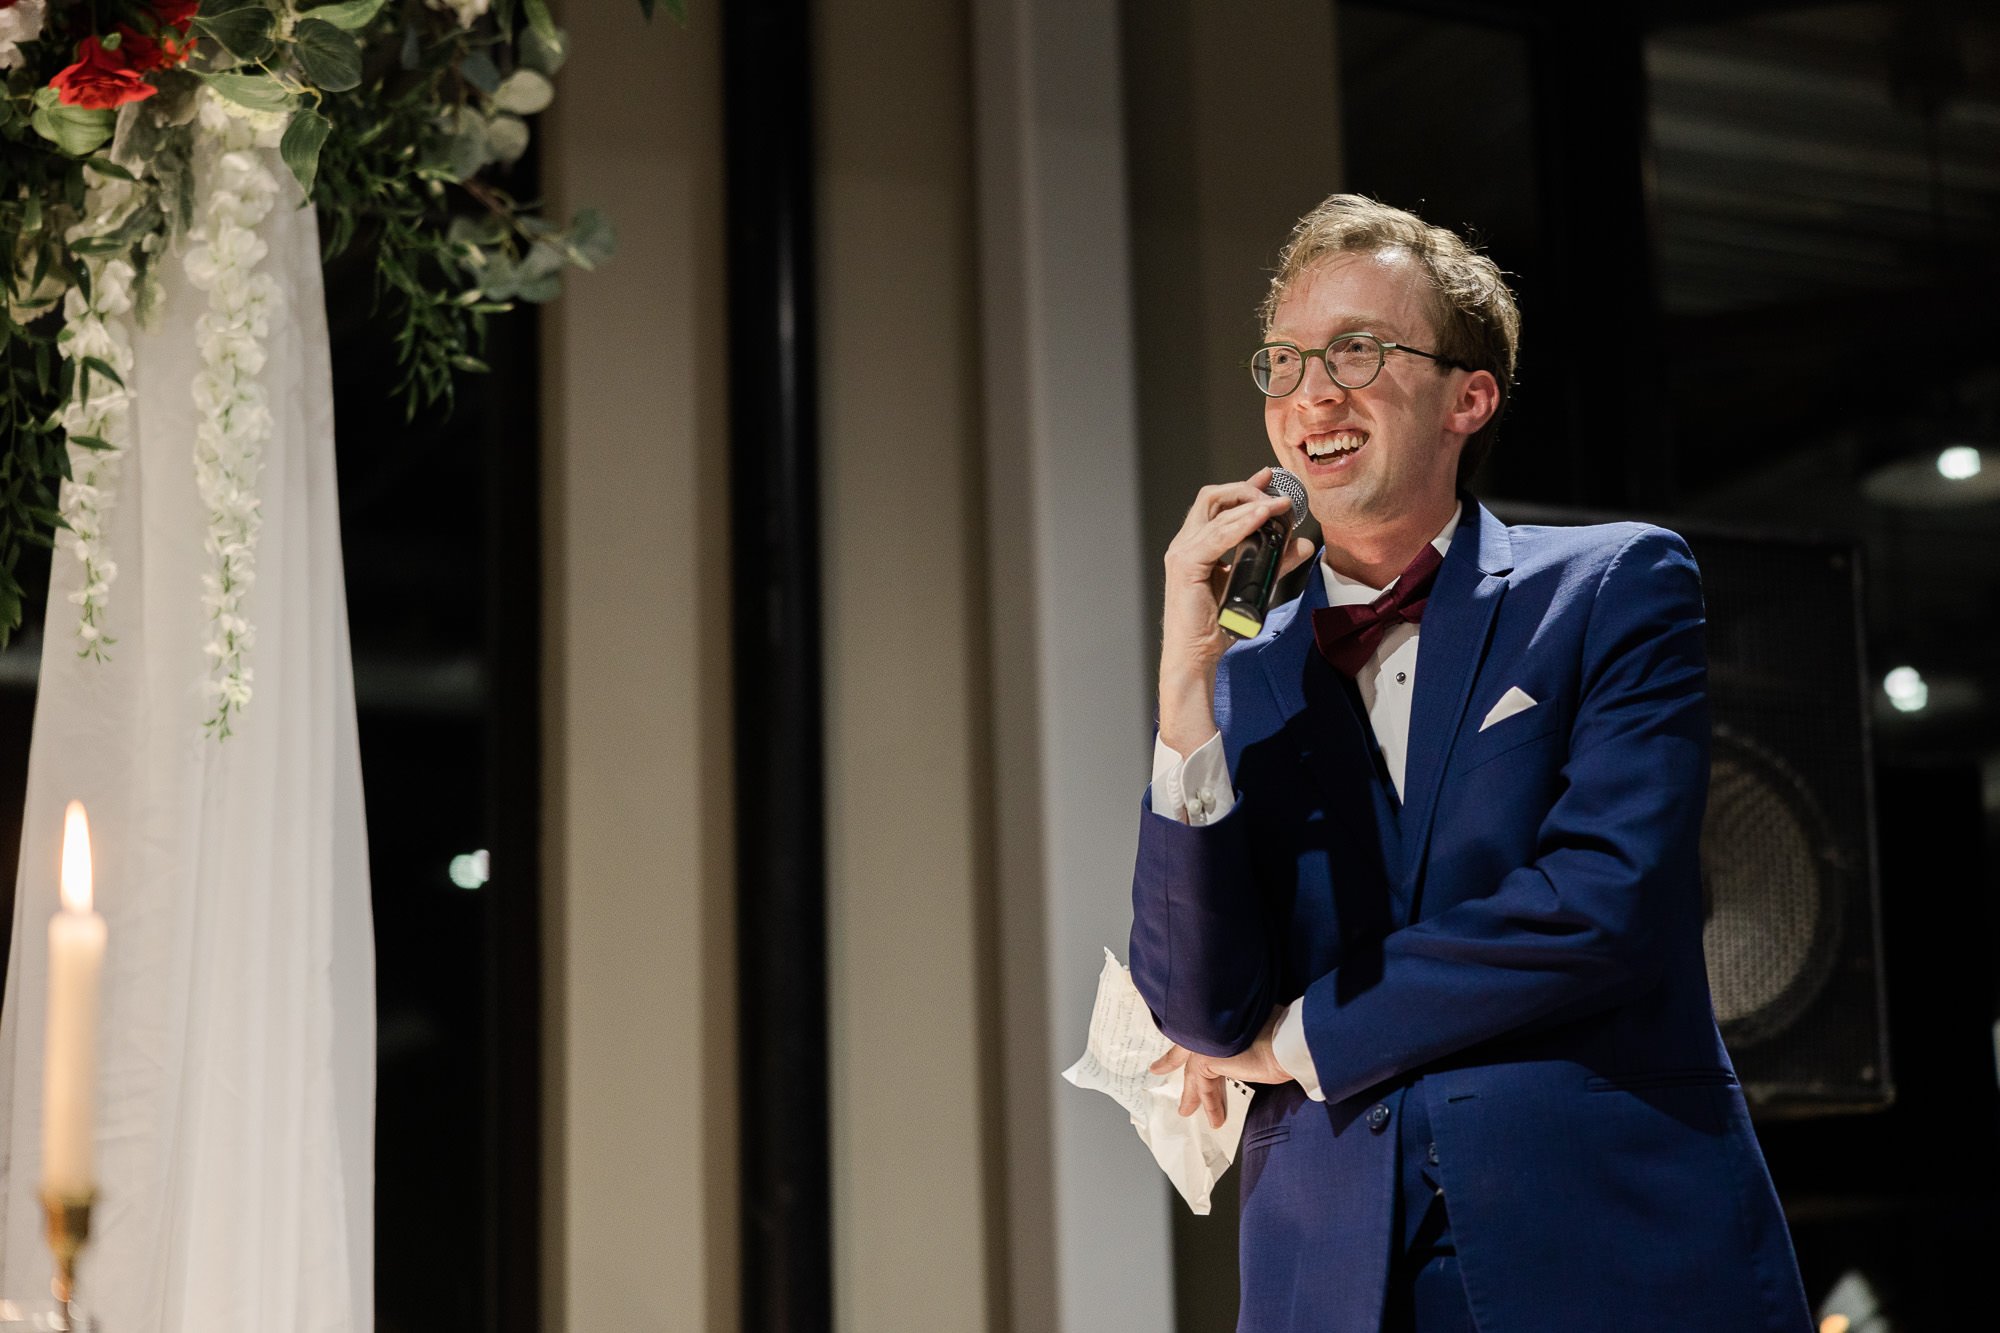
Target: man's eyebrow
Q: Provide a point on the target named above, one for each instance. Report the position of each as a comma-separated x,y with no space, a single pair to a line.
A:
1375,324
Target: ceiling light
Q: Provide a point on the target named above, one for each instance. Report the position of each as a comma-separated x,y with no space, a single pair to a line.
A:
1906,689
1958,463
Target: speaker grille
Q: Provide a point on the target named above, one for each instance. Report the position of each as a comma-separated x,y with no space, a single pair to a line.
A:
1773,893
1788,860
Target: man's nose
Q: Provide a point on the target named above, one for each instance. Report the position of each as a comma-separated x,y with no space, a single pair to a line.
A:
1311,391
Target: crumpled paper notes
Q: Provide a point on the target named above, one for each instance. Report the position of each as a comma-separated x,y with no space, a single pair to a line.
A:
1123,1043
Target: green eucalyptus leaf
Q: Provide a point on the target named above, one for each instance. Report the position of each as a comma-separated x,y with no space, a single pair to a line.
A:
539,20
542,260
544,55
75,130
331,58
524,93
259,92
465,152
241,27
591,239
350,15
304,137
497,281
480,71
540,290
507,137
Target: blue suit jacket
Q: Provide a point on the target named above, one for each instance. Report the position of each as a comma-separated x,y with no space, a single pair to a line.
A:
1536,956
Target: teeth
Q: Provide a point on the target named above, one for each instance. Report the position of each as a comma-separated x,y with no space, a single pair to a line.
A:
1333,446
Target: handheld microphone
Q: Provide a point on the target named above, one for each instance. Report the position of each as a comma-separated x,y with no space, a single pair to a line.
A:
1253,572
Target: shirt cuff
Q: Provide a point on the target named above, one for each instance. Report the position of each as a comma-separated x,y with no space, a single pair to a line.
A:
1195,790
1289,1049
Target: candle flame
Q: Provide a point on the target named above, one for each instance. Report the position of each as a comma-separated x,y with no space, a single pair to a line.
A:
76,858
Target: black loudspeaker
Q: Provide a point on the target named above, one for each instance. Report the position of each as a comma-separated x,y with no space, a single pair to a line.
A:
1792,928
1792,922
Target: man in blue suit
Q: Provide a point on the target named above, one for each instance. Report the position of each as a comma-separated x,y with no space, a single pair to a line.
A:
1421,857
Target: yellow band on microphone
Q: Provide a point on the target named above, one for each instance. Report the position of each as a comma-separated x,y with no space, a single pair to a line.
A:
1239,623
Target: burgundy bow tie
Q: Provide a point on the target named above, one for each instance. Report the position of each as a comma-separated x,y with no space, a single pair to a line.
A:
1348,635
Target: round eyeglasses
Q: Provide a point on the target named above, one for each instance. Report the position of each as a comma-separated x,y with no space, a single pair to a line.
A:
1352,359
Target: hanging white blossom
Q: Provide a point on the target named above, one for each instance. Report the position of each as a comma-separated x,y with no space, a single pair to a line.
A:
96,338
235,190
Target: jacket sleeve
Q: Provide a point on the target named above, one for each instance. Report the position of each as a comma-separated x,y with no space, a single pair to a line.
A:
1582,925
1200,949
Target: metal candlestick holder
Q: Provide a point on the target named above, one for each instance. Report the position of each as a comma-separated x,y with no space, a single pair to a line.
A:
68,1229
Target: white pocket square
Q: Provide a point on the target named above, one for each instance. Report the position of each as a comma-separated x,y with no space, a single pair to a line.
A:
1515,700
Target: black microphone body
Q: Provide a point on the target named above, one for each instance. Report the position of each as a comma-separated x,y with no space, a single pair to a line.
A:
1253,571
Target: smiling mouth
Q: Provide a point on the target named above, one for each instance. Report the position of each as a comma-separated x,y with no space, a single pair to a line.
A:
1337,444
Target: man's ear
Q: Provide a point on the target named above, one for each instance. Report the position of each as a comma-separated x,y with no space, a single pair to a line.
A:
1478,399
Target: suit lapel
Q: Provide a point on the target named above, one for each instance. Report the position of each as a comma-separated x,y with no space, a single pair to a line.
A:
1332,734
1457,625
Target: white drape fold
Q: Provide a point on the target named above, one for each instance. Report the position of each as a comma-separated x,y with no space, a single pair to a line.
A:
235,1109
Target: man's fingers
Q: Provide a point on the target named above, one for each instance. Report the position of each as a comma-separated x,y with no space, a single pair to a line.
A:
1175,1057
1212,500
1302,551
1207,546
1191,1089
1213,1093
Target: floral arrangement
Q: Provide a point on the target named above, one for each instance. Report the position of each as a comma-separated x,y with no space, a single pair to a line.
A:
138,133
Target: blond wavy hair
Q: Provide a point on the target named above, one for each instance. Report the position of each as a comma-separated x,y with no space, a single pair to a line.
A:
1476,320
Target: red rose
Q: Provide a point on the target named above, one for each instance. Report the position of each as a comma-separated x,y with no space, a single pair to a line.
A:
100,79
140,53
180,13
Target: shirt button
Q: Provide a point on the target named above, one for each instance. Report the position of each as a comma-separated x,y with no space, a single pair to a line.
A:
1402,677
1378,1116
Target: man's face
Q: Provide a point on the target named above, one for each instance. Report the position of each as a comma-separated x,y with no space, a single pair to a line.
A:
1407,457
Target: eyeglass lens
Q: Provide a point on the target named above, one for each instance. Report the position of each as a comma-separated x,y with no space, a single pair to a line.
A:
1354,362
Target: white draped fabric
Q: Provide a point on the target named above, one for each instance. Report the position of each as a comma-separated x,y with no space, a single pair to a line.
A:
235,1107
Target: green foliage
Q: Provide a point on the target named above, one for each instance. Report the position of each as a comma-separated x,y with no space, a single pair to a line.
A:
330,58
243,28
400,124
406,172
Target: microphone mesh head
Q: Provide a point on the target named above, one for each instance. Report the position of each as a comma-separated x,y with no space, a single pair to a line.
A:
1285,484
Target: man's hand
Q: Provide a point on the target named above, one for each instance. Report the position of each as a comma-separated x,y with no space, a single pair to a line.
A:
1191,643
1206,1076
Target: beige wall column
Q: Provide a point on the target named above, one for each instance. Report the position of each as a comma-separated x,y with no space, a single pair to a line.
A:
914,1083
641,1155
1071,640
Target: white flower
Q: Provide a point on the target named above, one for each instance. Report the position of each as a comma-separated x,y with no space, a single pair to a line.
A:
238,191
465,10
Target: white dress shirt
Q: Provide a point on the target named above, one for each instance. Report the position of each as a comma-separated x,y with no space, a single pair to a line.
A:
1196,789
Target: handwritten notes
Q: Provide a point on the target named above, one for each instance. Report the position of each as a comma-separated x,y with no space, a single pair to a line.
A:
1123,1042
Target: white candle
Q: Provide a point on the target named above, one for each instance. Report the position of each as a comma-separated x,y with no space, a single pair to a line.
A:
69,1068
